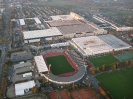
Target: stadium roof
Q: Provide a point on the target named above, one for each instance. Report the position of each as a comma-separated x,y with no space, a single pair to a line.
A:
20,87
62,17
41,33
22,22
40,63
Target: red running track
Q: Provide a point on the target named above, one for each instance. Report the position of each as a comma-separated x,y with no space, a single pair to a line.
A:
70,60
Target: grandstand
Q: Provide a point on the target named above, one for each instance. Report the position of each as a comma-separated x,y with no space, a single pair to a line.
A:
94,45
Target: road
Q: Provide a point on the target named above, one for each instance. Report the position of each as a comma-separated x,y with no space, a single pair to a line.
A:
5,47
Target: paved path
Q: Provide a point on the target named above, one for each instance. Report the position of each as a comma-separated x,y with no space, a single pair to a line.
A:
92,80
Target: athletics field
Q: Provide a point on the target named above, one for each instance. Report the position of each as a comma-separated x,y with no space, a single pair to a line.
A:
59,65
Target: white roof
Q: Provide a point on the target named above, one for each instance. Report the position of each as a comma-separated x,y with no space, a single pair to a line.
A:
41,33
27,74
20,87
92,45
22,22
34,40
40,63
114,42
37,20
19,92
62,17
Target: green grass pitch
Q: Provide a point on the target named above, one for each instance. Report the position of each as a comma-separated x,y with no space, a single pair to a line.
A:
59,65
99,61
118,83
125,56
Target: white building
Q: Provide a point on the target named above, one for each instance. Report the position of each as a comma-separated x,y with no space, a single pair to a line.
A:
21,87
41,65
94,45
29,36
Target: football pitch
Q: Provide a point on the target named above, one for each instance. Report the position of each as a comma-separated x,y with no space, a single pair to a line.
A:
118,83
127,56
104,60
59,65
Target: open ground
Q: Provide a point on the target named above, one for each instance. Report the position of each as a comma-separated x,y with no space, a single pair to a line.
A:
103,60
118,83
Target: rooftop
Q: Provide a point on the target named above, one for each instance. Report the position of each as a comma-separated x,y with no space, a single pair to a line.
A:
41,33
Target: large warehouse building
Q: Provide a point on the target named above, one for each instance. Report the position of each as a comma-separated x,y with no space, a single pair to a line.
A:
63,26
93,45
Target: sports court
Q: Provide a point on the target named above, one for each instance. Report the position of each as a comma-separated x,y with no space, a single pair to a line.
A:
127,56
104,60
59,65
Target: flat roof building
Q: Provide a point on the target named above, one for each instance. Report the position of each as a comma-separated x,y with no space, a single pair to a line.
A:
93,45
26,64
21,87
41,33
41,65
20,56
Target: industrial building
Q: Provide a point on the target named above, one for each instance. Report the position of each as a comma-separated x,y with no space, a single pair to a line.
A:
63,26
94,45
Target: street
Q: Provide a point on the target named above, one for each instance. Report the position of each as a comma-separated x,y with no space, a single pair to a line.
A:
5,47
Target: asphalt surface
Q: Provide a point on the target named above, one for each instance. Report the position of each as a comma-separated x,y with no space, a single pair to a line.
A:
5,47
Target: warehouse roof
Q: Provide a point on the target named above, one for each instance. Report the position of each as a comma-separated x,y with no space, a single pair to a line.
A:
20,87
41,33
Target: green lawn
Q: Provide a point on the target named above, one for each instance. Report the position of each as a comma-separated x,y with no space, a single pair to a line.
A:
99,61
118,83
59,65
125,56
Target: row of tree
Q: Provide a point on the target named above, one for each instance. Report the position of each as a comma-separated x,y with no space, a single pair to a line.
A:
114,66
4,79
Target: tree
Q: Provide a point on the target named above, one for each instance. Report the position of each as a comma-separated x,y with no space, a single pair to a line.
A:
114,66
73,86
34,89
97,70
92,69
103,68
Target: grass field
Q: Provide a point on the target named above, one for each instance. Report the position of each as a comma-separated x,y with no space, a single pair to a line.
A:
125,56
59,65
99,61
118,83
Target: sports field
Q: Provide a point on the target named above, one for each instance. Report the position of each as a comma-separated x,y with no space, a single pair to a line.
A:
118,83
124,56
59,65
99,61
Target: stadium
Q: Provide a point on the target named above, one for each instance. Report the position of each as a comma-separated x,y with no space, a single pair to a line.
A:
95,45
59,67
